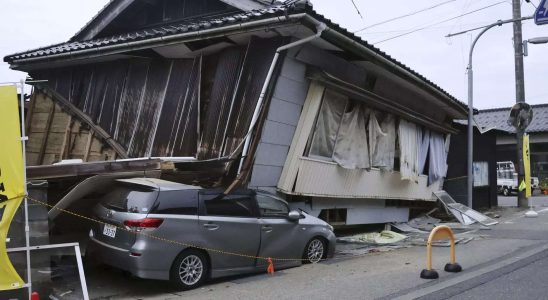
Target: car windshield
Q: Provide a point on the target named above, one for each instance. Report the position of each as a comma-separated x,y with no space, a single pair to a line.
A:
130,198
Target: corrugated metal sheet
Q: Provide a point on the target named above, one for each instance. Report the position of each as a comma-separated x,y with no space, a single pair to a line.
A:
327,179
164,107
255,68
218,96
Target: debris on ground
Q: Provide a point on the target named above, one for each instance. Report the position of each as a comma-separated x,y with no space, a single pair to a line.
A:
463,213
380,238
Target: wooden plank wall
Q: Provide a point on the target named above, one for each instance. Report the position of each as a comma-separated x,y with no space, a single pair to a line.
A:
55,135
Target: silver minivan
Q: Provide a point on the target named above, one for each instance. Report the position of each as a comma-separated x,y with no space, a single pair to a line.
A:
164,230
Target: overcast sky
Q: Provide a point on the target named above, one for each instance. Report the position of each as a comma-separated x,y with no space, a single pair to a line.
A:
27,24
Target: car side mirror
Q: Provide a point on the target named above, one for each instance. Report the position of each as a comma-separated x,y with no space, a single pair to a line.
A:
294,215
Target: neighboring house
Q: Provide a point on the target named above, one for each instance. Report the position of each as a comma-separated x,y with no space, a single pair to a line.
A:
484,168
335,125
506,138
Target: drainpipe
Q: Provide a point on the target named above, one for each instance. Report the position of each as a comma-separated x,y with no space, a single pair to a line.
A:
320,27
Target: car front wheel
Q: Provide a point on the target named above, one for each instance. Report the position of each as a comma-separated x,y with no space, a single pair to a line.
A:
189,270
506,191
315,250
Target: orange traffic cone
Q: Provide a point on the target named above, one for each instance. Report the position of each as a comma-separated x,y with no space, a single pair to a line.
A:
270,269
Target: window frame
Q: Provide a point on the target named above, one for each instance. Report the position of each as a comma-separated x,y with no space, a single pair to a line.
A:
271,216
210,195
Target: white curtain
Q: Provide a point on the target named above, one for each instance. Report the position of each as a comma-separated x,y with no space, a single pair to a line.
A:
327,125
408,141
351,150
424,143
385,144
438,158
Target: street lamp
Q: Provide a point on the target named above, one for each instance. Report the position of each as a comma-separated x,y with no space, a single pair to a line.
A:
536,41
470,175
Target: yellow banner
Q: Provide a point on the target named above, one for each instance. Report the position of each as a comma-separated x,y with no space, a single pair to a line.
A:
527,165
12,185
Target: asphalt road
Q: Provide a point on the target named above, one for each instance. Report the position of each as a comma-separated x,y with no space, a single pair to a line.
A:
512,201
524,282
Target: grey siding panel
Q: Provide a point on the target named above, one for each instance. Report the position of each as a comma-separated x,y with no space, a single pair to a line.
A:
271,155
283,116
294,69
284,112
278,133
265,176
291,90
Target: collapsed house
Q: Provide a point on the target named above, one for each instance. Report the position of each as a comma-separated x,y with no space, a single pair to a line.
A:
239,93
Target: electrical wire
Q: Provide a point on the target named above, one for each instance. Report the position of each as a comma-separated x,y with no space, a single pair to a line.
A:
437,23
430,28
531,2
356,7
404,16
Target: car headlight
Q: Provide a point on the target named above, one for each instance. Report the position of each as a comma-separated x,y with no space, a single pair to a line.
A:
330,227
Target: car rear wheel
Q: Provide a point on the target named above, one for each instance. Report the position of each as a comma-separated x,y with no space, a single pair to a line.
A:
315,250
189,270
505,191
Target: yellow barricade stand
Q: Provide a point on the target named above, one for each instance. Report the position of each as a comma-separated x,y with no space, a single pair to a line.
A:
441,232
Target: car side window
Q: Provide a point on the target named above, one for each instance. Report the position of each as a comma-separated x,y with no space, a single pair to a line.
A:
184,202
271,207
230,206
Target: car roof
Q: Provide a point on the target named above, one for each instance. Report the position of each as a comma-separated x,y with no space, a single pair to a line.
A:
159,184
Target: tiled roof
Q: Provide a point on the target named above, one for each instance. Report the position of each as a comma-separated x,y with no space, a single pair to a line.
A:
497,119
209,22
160,31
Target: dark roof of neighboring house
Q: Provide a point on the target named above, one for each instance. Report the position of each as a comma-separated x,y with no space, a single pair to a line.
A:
198,24
497,119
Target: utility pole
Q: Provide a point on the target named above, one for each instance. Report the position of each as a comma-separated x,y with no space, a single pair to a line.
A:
520,93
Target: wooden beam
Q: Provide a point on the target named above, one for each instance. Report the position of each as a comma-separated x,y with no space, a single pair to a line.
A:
88,145
66,138
92,168
46,134
84,118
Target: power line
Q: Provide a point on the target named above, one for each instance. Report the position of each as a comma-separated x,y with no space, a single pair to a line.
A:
430,28
356,7
437,23
403,16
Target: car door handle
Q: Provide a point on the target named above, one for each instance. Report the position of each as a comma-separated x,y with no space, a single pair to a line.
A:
267,228
211,226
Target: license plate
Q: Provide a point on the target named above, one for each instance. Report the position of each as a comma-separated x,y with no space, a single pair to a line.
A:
109,230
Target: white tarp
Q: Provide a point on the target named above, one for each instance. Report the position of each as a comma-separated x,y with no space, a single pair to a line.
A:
375,135
351,150
408,137
385,147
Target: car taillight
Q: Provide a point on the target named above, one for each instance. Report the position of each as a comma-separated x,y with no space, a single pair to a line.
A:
144,223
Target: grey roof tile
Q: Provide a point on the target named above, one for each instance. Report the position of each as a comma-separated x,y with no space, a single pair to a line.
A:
497,118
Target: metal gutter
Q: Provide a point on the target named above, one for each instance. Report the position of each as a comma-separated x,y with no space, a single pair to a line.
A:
159,41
